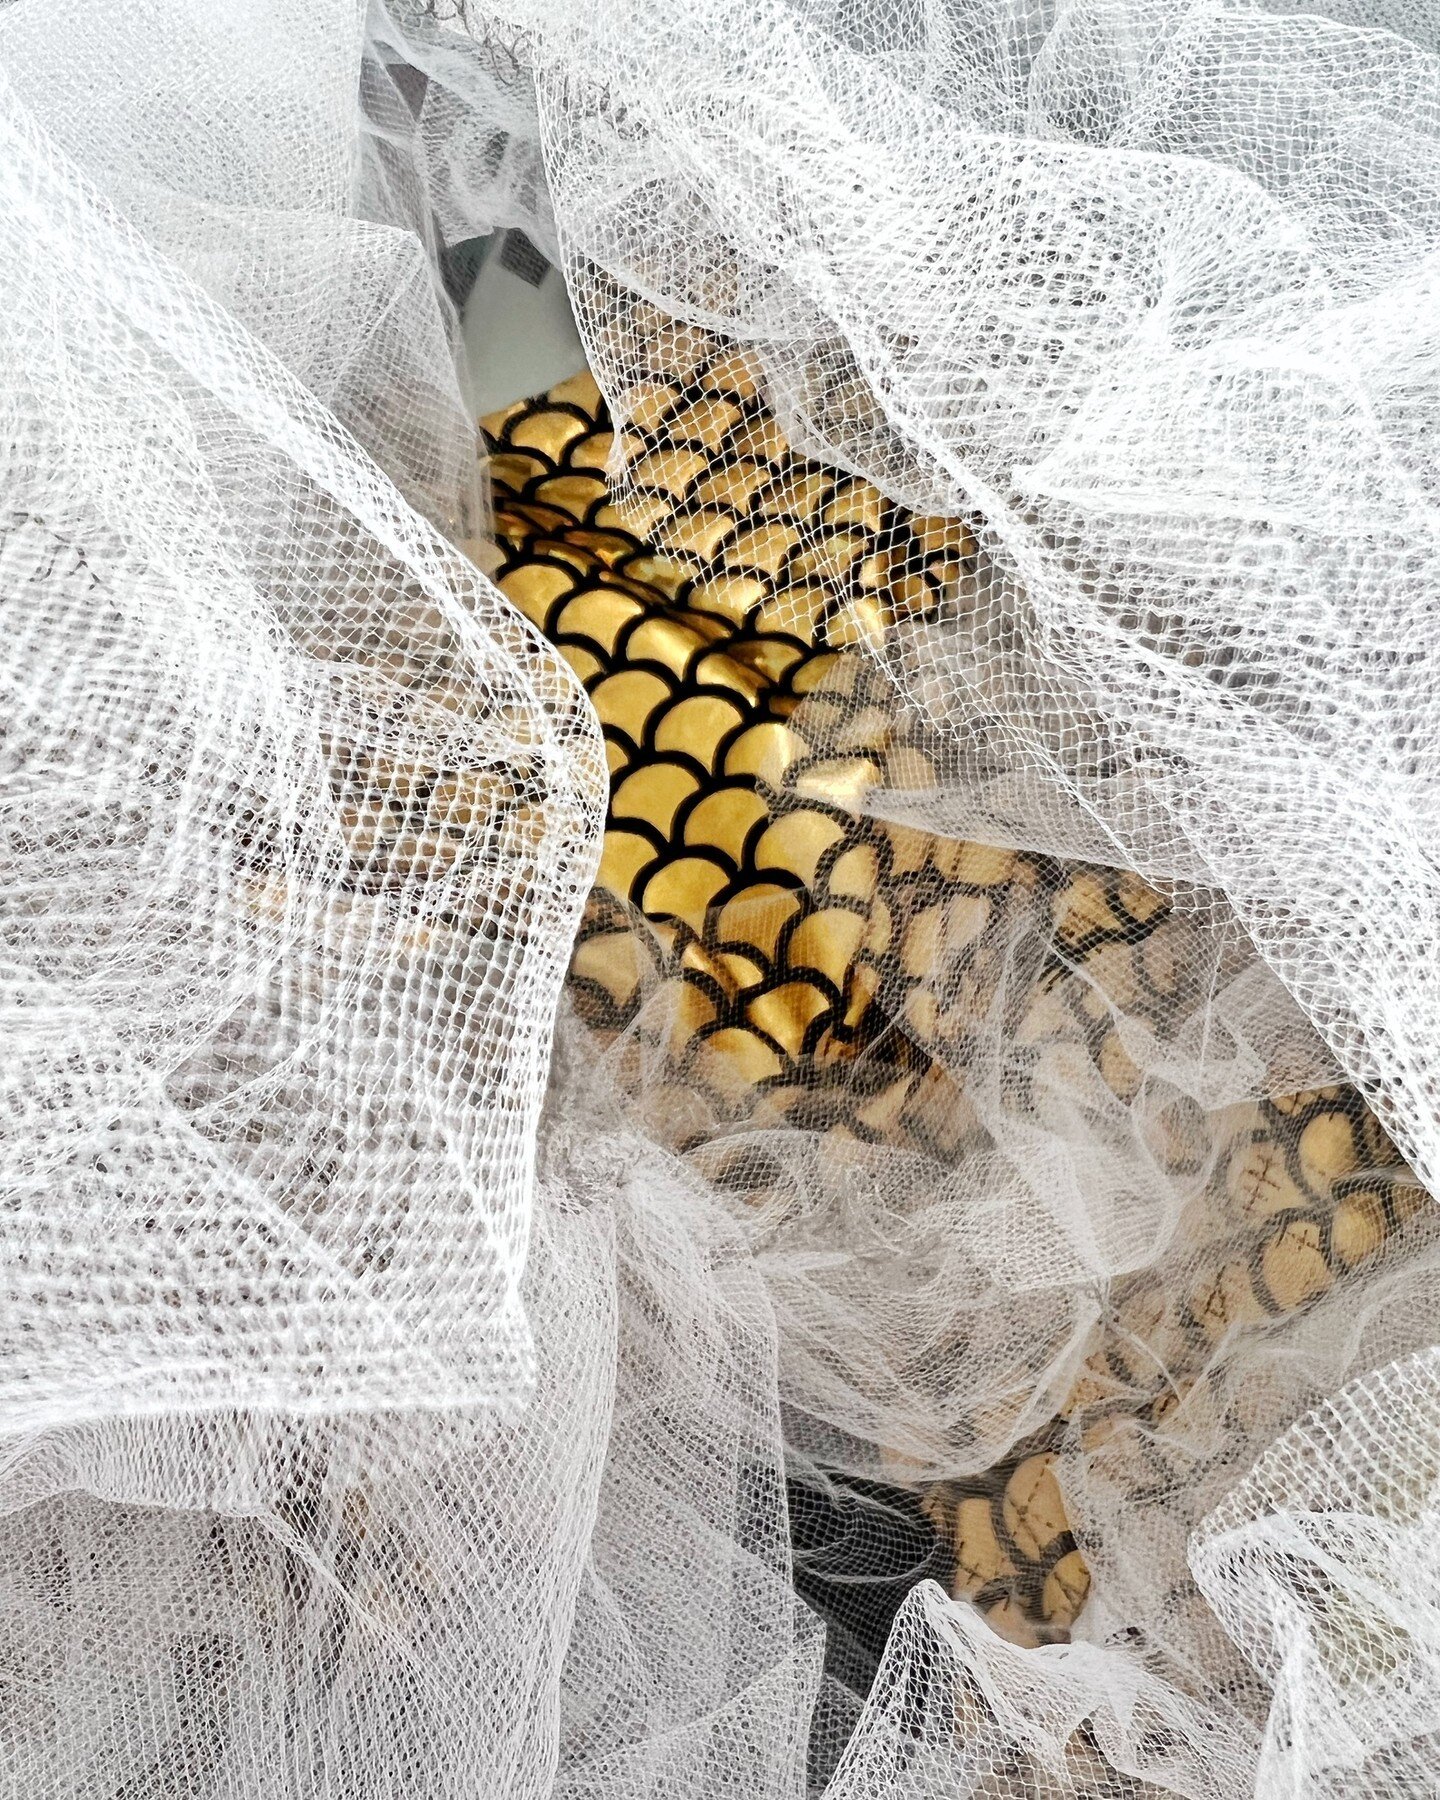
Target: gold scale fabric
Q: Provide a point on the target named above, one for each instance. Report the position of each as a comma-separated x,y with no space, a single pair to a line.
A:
758,947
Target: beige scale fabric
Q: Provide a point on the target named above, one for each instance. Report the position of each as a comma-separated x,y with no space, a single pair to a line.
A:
765,952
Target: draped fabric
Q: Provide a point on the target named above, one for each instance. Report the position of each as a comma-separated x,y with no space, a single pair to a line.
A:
723,1086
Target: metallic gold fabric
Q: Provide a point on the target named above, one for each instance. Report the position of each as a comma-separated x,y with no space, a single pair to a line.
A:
788,943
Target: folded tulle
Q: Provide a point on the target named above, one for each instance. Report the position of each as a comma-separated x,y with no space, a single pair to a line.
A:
966,1184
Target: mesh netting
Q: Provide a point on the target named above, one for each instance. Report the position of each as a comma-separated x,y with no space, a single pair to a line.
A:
847,1213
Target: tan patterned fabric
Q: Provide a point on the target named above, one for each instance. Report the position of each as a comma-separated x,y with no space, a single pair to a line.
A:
759,947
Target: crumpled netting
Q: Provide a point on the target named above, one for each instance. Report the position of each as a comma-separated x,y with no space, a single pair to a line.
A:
369,1432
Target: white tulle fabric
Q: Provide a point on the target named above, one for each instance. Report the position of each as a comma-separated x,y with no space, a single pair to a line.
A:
385,1413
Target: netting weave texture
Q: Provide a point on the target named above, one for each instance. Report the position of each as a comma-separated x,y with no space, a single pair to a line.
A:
724,1086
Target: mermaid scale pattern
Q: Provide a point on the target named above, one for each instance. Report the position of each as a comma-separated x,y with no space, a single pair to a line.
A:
772,956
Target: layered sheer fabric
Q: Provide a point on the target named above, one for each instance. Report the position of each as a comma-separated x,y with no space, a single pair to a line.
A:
724,1085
